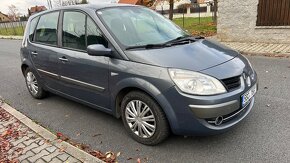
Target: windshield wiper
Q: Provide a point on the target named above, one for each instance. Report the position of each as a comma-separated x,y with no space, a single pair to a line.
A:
175,41
184,38
148,46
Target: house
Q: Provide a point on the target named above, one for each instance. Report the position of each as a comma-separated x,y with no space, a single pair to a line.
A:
147,3
36,9
264,21
133,2
4,17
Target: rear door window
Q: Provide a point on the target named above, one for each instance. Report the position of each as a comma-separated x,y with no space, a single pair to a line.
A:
46,31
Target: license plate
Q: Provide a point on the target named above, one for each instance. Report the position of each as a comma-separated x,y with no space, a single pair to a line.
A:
246,97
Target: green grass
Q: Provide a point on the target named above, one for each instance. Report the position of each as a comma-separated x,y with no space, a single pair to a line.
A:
206,27
17,31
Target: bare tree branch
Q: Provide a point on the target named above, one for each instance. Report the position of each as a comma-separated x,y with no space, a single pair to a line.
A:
13,13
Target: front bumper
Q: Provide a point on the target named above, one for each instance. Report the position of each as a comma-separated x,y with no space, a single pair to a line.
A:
197,115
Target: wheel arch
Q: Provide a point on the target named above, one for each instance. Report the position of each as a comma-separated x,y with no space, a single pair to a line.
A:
134,84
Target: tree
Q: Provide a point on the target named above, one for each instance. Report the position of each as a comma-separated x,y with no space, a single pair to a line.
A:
13,13
215,10
84,2
171,7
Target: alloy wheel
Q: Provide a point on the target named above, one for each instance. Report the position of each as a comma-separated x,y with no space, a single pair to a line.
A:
32,83
140,119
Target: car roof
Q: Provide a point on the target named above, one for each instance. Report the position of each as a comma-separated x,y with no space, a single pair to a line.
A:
95,7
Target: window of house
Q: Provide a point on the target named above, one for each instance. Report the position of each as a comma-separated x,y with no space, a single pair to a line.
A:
74,30
32,27
46,30
273,13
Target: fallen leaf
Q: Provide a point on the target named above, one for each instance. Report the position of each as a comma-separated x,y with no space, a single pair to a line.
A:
108,155
267,71
268,105
78,134
61,136
58,134
118,154
62,149
96,135
138,160
46,141
130,158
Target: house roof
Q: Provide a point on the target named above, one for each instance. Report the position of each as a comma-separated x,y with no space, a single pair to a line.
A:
133,2
3,14
37,8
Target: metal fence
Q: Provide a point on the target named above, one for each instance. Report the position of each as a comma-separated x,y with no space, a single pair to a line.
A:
12,28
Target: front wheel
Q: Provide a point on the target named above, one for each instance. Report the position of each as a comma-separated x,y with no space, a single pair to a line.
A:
33,85
144,119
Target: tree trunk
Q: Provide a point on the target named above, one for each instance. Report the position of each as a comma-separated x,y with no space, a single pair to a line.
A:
171,7
215,10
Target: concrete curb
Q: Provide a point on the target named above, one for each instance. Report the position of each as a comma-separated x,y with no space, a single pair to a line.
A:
11,37
70,149
279,55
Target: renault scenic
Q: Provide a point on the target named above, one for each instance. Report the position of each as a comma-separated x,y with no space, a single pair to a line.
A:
135,64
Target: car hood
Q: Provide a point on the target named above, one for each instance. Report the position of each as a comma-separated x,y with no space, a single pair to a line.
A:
196,56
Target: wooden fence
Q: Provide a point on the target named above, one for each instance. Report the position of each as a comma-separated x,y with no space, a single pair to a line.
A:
273,13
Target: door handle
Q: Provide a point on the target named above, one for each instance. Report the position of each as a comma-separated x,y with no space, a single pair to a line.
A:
63,59
34,53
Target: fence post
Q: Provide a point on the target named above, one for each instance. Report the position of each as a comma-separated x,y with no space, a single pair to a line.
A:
5,28
21,23
208,11
14,30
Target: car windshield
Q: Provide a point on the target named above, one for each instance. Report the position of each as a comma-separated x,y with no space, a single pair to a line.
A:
138,26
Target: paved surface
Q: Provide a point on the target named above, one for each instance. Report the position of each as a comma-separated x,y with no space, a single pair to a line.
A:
260,48
262,137
25,145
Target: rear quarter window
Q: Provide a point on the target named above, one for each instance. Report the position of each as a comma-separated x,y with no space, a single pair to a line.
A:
46,30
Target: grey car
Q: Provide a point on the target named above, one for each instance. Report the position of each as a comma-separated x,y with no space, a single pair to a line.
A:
135,64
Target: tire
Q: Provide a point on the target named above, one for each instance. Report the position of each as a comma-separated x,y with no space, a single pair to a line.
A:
33,85
153,135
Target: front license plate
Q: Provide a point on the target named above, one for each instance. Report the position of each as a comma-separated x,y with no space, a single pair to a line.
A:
246,97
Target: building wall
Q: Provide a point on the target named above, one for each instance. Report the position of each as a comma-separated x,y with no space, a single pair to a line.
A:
237,22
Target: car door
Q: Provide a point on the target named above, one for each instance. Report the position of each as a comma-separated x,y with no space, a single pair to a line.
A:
82,76
43,47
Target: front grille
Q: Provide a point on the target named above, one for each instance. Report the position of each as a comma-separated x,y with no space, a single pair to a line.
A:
232,83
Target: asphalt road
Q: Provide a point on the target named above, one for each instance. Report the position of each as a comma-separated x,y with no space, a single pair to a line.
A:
264,136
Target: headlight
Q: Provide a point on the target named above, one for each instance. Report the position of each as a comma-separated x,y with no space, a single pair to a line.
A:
196,83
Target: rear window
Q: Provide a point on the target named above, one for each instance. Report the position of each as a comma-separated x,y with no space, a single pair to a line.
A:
33,24
46,30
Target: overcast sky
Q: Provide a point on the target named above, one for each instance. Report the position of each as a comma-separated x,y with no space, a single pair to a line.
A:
23,5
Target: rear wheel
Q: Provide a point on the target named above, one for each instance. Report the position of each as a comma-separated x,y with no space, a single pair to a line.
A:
144,119
33,85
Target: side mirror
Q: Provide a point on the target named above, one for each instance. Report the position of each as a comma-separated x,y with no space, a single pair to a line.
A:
98,50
